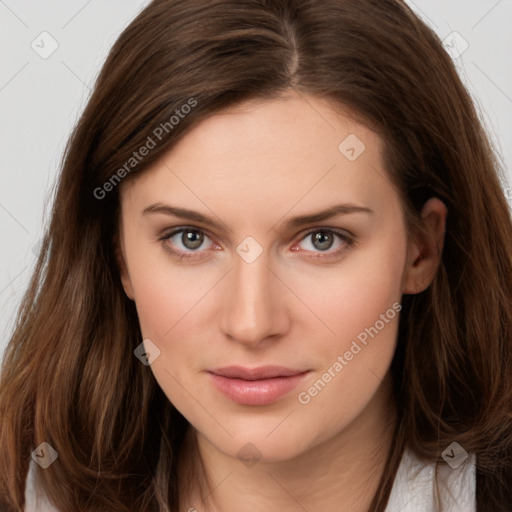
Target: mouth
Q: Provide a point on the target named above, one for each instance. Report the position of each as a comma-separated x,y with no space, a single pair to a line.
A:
256,386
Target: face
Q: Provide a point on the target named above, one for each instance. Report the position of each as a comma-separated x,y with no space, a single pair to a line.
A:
269,236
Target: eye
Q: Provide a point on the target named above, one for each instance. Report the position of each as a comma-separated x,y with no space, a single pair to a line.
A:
190,243
186,243
329,241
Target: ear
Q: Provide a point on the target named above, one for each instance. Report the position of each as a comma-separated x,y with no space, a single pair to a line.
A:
121,264
425,249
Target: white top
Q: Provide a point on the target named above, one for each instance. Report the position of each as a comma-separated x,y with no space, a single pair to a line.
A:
413,489
414,486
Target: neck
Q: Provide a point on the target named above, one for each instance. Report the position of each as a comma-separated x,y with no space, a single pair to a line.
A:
340,474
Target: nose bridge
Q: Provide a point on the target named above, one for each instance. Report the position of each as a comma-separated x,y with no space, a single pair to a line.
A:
249,312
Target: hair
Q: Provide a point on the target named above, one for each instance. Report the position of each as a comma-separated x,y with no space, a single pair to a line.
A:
69,376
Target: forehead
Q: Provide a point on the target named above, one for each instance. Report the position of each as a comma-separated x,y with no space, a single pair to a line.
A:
275,152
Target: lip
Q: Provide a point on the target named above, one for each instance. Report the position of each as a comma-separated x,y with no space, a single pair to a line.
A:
256,386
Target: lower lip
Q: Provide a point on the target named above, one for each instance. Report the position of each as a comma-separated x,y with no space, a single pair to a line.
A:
256,392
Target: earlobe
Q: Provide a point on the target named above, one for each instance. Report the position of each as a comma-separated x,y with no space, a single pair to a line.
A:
425,249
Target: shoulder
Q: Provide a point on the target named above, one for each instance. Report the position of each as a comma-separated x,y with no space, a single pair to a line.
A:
415,484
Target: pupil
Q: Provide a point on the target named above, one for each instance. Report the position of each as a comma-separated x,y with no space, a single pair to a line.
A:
324,240
192,239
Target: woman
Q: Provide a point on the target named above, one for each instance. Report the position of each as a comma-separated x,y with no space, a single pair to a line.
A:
278,275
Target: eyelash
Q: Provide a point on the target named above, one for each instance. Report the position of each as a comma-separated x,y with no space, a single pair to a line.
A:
348,242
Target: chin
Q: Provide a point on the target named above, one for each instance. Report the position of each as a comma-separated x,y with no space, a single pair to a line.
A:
261,447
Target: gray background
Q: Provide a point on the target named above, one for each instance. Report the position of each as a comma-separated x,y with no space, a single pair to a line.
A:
41,99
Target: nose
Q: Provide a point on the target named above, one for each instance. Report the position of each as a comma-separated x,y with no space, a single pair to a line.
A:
253,304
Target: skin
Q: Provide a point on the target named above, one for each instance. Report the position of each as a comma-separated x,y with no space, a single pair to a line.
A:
298,305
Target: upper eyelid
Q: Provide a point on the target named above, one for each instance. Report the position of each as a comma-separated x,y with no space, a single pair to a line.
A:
174,231
337,231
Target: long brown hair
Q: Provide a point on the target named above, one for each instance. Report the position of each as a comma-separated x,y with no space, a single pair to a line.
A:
69,375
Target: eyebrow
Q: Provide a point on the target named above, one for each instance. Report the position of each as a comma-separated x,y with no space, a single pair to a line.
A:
294,222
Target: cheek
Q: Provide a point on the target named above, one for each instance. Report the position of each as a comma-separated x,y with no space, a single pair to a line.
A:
353,362
165,294
171,307
361,308
174,307
352,297
158,304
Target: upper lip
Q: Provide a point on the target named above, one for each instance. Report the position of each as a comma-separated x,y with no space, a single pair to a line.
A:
261,372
